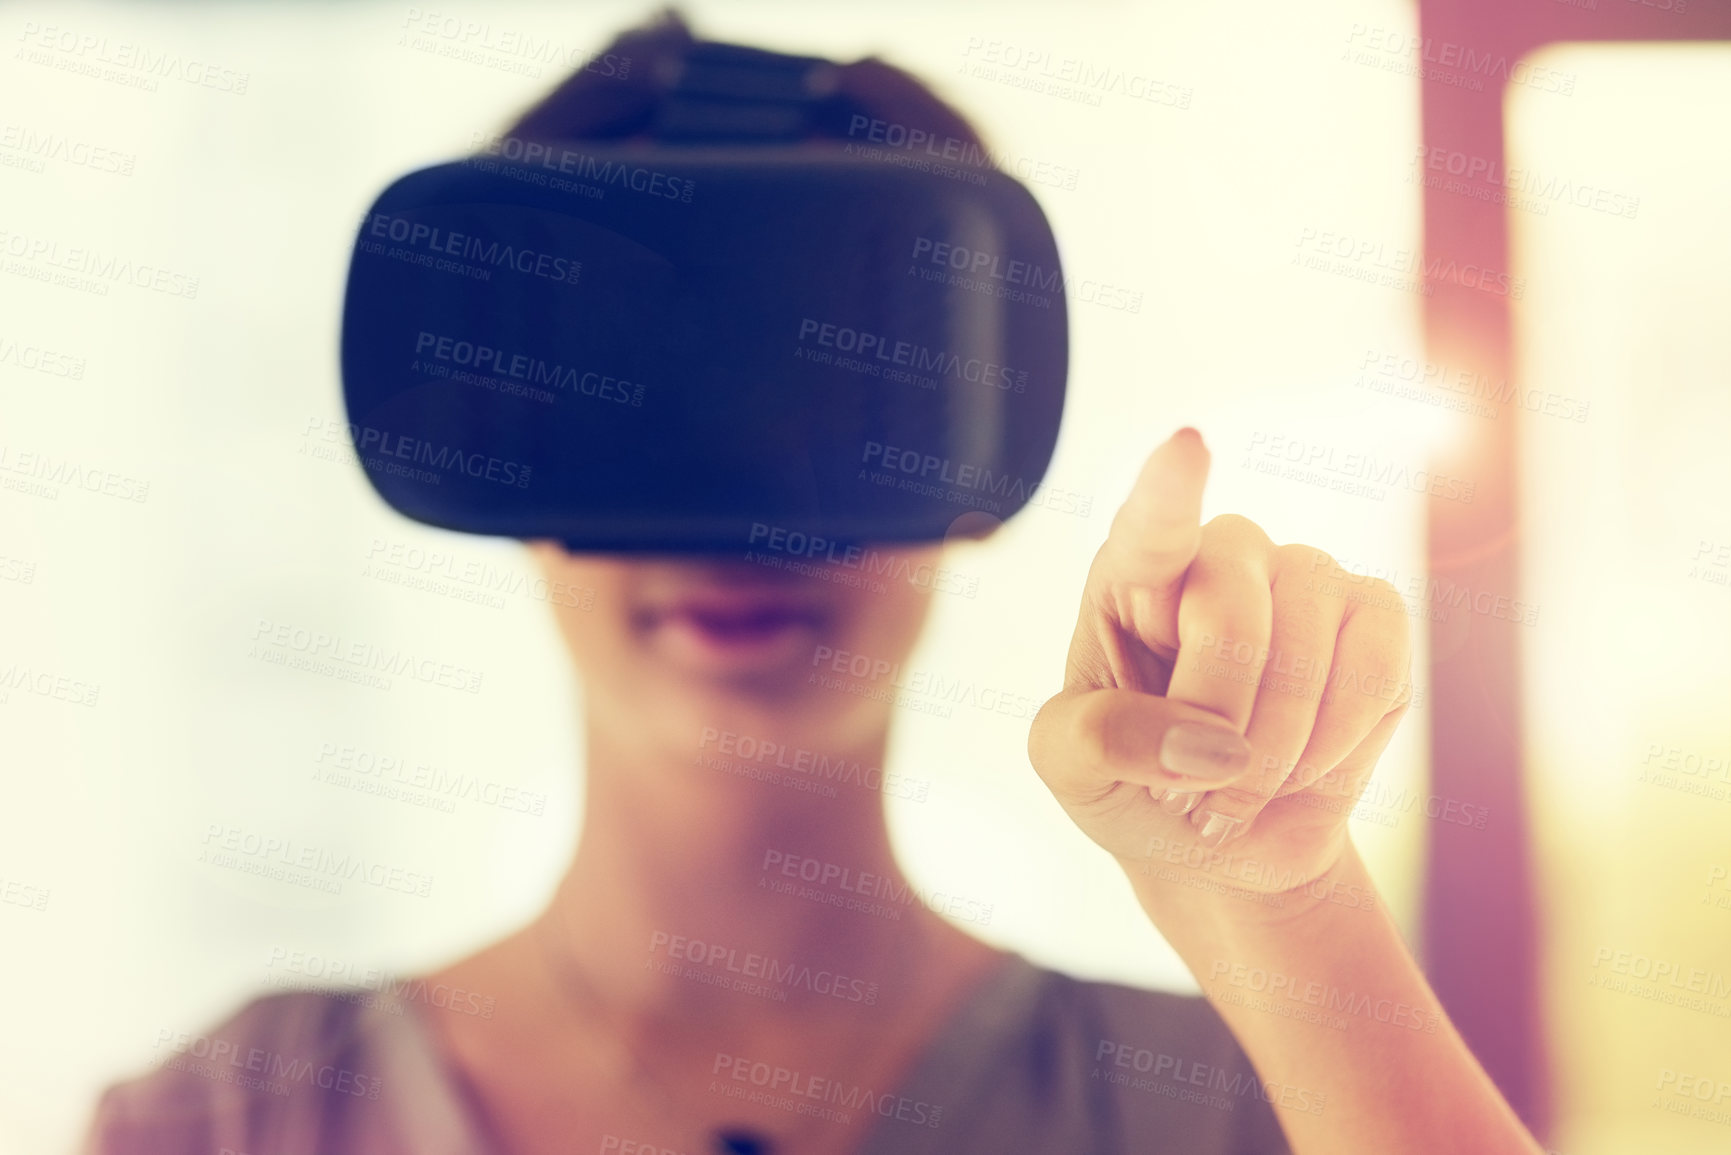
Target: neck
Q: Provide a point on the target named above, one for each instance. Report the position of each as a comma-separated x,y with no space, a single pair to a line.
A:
683,870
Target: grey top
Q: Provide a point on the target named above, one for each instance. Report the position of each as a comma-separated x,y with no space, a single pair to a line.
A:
1033,1061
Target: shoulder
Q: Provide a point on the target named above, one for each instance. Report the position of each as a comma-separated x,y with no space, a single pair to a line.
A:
1130,1008
281,1067
1162,1061
1045,1061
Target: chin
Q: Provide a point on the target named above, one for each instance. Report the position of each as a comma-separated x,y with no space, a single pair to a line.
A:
781,705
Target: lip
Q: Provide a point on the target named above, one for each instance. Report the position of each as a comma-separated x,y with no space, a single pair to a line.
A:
731,630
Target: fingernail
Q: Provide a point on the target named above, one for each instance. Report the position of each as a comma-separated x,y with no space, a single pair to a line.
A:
1215,827
1198,750
1179,801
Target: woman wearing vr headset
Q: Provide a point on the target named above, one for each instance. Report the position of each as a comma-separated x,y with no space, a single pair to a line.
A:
1222,708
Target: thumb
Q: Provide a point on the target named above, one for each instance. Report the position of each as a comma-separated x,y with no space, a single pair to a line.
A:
1084,742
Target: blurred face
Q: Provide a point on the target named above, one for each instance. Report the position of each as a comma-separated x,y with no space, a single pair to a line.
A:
677,643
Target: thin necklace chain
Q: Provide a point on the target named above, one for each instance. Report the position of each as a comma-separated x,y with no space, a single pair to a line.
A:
571,979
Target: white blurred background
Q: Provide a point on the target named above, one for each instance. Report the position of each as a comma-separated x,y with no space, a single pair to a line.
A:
1199,209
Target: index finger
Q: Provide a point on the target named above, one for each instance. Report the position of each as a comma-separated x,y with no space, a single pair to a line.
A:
1155,535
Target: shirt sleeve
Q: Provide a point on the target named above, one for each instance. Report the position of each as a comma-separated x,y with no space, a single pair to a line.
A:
106,1134
152,1115
187,1104
1168,1062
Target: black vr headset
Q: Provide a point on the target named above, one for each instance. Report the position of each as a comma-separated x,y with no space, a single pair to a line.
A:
713,341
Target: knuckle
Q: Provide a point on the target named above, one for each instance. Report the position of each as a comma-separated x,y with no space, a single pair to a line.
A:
1306,560
1332,781
1088,740
1388,597
1223,632
1039,731
1241,799
1303,778
1127,547
1397,647
1233,523
1385,611
1274,768
1235,547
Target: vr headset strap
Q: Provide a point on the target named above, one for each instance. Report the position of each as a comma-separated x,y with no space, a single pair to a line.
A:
723,93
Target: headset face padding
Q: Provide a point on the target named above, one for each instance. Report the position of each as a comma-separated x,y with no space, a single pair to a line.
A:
689,349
